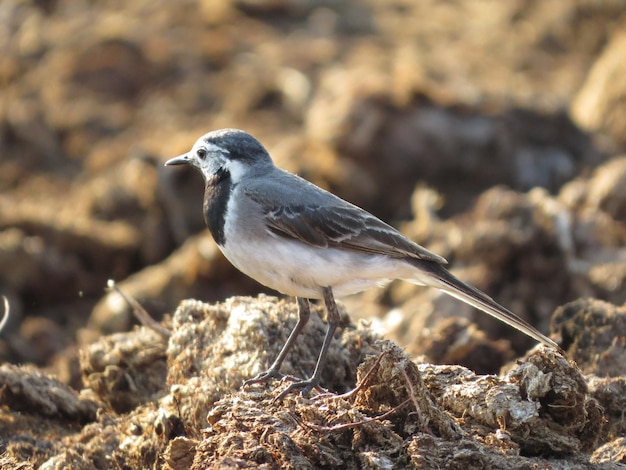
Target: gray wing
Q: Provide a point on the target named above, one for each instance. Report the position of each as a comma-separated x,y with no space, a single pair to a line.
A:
328,221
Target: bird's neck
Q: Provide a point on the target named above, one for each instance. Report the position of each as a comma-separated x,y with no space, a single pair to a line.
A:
216,195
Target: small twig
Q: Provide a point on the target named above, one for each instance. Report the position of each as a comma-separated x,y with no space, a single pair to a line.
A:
411,389
341,427
412,397
5,314
140,313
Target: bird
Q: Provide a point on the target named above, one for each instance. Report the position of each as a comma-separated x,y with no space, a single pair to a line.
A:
303,241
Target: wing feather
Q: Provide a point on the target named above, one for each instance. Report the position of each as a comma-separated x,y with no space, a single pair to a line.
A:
333,222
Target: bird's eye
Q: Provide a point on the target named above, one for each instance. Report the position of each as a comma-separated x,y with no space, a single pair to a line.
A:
201,152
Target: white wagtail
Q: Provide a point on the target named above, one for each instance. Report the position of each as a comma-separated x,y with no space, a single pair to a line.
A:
301,240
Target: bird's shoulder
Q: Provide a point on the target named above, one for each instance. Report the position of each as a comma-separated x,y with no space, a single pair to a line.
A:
294,208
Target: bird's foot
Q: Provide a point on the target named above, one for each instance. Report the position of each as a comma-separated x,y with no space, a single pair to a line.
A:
264,377
305,387
268,376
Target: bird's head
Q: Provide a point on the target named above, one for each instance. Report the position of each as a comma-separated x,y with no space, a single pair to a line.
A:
231,152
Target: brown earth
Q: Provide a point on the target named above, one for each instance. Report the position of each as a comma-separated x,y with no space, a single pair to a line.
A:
490,132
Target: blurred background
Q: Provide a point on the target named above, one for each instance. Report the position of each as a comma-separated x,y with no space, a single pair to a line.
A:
491,132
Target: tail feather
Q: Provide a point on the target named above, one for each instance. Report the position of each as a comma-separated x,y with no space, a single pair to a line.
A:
444,280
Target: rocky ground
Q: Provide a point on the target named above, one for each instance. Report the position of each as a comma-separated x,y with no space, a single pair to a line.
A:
490,132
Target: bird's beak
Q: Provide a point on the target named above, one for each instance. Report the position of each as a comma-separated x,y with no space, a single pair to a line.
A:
180,160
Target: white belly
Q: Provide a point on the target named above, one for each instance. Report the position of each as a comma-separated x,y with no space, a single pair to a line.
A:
294,268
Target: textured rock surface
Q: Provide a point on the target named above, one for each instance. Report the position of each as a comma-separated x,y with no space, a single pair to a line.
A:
178,403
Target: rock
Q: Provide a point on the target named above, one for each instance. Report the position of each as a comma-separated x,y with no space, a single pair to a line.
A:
598,105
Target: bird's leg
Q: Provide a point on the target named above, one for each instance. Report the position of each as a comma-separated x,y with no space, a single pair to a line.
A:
333,322
304,312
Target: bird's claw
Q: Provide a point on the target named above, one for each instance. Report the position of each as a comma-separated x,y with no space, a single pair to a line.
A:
305,387
268,376
264,377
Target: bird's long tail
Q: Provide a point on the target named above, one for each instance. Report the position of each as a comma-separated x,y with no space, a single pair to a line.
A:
441,278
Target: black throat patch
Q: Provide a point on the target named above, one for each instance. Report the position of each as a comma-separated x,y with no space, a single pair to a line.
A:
216,195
